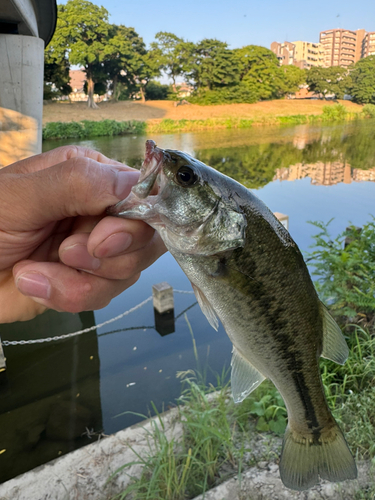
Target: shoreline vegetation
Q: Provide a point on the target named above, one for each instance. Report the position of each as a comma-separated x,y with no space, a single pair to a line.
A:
161,118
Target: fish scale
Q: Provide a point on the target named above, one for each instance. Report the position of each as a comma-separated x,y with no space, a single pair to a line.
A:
247,271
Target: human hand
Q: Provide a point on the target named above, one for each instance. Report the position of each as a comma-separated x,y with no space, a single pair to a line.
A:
57,248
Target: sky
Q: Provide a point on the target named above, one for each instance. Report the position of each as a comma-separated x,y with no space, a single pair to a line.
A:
241,22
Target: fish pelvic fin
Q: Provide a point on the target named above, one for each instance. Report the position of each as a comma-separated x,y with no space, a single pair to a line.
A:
303,460
206,307
245,377
334,344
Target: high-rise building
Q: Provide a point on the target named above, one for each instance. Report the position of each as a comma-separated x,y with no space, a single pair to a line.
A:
368,44
301,54
307,54
284,52
341,47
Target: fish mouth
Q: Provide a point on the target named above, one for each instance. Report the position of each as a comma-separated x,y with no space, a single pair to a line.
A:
140,202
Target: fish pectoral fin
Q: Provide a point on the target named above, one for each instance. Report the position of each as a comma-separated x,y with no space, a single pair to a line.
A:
245,378
206,307
334,344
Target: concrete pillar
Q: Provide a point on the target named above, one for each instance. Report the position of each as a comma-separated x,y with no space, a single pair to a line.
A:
21,97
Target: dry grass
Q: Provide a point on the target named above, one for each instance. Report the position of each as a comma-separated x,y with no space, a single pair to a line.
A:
155,111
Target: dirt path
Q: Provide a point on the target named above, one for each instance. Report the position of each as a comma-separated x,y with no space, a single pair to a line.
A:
158,110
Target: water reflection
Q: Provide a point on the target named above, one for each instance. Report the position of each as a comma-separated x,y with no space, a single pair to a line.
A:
325,174
50,394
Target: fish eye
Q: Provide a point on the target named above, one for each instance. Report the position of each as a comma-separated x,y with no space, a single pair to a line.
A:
186,176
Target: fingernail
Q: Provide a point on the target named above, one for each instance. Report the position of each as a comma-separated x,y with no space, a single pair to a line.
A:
78,257
125,181
34,285
113,245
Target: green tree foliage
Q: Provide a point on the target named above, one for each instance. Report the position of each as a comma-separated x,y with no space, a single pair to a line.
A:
249,74
362,85
213,65
155,91
325,81
174,53
293,78
148,67
82,30
260,71
122,56
56,74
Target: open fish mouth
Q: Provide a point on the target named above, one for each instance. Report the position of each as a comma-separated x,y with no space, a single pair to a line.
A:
147,183
140,202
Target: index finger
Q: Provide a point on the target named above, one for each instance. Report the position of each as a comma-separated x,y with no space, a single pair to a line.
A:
59,155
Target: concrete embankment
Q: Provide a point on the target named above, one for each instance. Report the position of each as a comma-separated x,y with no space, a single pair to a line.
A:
84,474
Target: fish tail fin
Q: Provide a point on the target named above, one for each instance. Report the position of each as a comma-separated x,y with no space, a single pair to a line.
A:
303,460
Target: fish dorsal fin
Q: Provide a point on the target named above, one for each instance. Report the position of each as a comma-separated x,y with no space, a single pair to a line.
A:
245,378
334,344
206,307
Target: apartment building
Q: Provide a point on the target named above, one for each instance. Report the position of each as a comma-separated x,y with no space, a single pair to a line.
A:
307,54
284,52
301,54
342,47
368,44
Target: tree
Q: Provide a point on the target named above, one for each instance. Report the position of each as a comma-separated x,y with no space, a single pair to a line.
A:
214,66
56,73
122,56
293,78
155,91
175,54
260,71
82,28
362,84
332,80
148,67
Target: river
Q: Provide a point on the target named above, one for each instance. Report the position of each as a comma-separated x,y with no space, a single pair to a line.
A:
102,380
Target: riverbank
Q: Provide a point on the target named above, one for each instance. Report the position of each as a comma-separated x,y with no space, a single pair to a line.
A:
307,113
154,111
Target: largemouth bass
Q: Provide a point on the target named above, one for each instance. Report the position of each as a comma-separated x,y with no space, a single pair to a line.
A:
247,271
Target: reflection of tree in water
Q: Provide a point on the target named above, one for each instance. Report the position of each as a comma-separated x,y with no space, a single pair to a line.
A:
256,165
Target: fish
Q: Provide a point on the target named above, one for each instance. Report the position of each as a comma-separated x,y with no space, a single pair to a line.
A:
247,272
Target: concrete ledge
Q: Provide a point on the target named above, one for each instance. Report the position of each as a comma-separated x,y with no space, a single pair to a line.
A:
83,474
263,482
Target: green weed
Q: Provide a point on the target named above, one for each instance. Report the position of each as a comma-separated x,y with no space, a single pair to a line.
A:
345,267
167,125
369,110
87,128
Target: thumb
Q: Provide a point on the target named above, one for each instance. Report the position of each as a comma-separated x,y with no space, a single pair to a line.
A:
79,186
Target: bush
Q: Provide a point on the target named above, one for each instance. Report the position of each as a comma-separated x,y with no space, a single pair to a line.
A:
228,95
334,113
369,110
87,128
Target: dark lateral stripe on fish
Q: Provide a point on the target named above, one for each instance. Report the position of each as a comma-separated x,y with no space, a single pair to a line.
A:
254,290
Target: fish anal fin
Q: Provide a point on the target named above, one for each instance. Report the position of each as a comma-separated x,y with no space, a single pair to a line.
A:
334,344
245,378
206,307
303,460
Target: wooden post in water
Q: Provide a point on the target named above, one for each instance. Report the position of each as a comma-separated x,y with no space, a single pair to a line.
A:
162,295
2,358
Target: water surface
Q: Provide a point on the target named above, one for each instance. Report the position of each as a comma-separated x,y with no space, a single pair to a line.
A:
55,397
